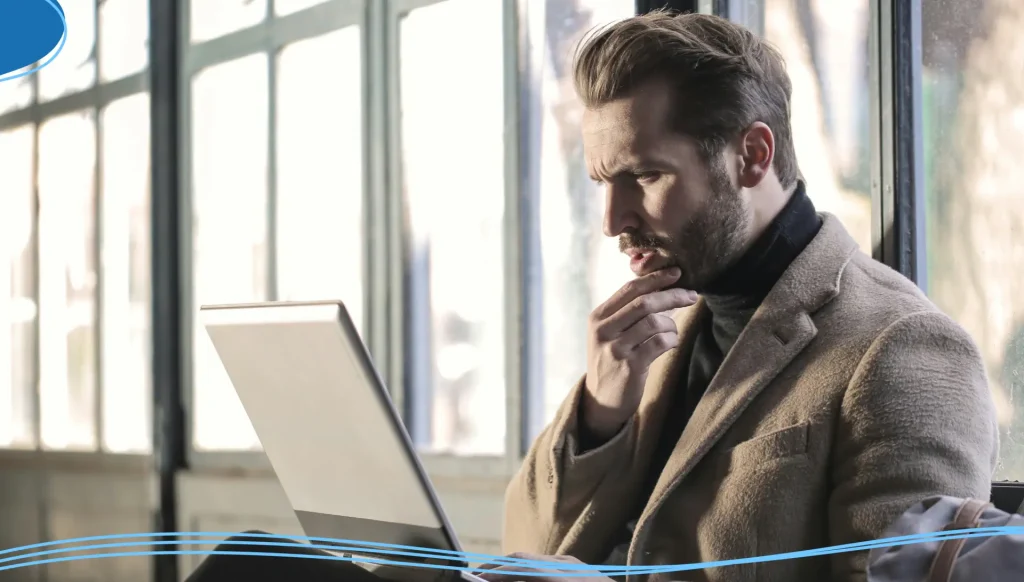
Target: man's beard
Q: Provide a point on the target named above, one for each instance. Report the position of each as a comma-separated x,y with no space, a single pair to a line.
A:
709,242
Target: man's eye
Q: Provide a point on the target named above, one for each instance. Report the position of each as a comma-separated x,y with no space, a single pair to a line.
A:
647,177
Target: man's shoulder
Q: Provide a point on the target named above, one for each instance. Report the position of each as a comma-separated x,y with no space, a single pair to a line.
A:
873,297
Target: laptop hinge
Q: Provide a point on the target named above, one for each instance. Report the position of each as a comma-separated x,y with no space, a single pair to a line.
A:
410,573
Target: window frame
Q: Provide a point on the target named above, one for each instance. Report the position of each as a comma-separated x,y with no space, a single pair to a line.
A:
386,295
267,37
95,99
446,464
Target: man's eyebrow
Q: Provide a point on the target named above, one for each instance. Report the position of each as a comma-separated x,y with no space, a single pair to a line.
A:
634,166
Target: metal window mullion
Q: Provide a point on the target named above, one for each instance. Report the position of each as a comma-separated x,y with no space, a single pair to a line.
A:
40,476
97,250
515,348
897,180
645,6
908,157
749,13
377,265
185,259
273,33
530,121
170,293
96,96
271,225
37,409
99,290
876,83
402,7
401,326
886,249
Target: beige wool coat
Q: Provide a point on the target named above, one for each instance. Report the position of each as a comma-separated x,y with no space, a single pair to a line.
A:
848,398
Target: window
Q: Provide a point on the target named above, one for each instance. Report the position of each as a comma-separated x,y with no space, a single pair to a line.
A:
285,7
319,171
277,161
825,46
581,266
17,297
75,68
229,195
17,93
125,276
75,370
124,38
973,117
212,19
67,281
452,135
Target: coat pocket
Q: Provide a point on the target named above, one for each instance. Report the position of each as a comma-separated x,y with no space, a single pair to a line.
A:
778,444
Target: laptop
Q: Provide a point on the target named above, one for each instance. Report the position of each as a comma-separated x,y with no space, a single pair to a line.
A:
330,429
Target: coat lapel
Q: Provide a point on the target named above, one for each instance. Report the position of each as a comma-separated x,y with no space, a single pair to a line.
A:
779,330
591,533
662,380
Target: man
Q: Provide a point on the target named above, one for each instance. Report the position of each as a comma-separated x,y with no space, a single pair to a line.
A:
809,396
806,399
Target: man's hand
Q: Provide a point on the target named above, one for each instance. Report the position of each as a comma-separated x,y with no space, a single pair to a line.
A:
626,334
571,572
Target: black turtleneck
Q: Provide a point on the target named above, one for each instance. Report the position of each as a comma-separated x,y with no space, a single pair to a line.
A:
732,300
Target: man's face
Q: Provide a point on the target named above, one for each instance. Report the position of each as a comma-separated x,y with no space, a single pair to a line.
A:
664,202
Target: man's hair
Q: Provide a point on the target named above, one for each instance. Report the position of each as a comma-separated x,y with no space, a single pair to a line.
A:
724,78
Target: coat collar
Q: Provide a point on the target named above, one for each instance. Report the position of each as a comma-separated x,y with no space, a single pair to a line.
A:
779,330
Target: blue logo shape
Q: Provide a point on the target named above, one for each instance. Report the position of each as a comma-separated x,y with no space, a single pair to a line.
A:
29,30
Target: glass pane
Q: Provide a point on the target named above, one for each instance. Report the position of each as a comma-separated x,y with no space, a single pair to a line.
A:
67,282
319,171
74,68
17,303
229,163
581,266
220,17
456,210
825,46
283,7
973,116
124,38
18,93
125,353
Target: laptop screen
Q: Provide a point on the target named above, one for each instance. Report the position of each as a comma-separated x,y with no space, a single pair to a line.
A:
326,423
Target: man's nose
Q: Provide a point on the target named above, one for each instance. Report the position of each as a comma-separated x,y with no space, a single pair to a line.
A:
619,215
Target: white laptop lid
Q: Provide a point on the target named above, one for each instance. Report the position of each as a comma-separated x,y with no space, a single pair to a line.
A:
326,423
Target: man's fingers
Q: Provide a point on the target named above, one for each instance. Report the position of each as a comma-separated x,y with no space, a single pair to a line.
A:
641,331
643,285
641,307
645,354
504,572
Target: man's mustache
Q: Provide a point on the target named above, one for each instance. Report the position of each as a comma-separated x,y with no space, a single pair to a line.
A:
641,241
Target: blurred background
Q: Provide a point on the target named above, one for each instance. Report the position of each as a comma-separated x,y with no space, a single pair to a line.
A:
421,160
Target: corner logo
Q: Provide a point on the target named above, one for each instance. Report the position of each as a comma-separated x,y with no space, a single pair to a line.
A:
29,31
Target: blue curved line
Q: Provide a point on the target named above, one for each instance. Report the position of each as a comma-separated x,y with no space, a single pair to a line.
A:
331,547
570,570
496,560
359,545
486,558
564,573
60,46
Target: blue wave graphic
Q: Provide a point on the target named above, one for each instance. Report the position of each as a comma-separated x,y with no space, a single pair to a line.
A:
566,570
29,30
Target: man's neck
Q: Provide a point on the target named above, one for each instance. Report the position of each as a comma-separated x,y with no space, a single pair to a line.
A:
747,282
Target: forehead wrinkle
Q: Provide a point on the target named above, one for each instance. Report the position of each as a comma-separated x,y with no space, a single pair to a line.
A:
613,150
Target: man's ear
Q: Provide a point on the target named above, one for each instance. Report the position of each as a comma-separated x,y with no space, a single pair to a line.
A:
756,148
